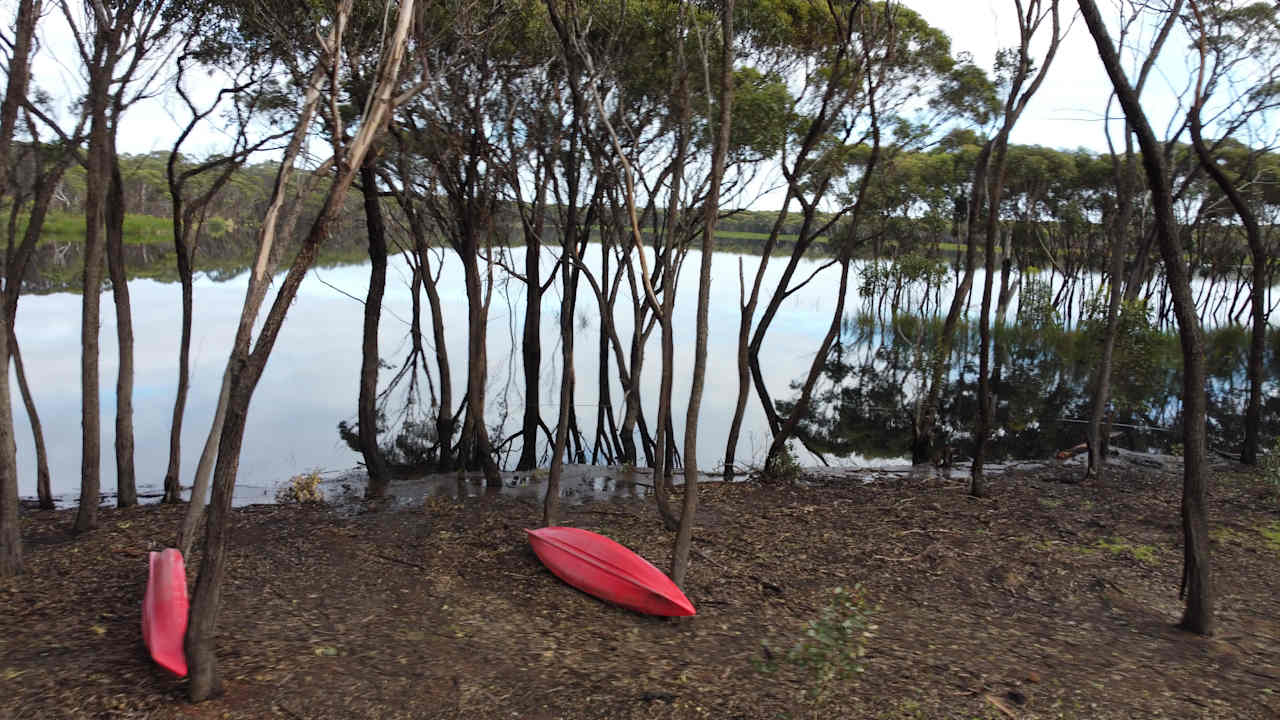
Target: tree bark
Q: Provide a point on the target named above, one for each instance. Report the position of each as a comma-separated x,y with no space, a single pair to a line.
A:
126,482
96,178
379,474
1196,580
10,533
172,481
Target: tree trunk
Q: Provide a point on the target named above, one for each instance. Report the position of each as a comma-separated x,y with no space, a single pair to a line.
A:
379,475
684,537
126,482
551,503
1196,580
43,490
531,347
476,448
10,532
97,176
444,414
172,479
982,432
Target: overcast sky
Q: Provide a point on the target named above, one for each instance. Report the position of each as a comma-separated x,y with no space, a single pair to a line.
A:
1066,113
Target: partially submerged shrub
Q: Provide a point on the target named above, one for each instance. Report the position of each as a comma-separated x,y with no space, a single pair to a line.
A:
303,488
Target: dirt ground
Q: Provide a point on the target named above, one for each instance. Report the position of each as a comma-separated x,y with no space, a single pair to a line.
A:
1048,600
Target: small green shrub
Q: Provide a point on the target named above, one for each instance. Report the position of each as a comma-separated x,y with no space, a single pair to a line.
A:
834,643
783,467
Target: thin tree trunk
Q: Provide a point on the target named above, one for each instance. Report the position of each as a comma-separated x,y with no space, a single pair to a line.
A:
97,176
172,480
43,490
264,265
379,475
982,432
10,534
551,503
684,537
126,482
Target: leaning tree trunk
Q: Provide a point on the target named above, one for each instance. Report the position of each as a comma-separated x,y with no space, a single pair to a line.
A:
1196,580
379,475
126,482
43,490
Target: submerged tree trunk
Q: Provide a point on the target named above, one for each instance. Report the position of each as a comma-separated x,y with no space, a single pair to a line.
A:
126,482
379,475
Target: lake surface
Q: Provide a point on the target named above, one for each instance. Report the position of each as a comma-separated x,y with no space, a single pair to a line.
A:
310,383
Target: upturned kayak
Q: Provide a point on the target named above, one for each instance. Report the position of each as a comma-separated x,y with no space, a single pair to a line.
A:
601,567
164,610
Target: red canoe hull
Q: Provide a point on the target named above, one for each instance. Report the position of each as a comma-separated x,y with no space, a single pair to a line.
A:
164,611
601,567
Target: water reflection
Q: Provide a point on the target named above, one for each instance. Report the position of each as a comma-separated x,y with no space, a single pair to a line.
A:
862,413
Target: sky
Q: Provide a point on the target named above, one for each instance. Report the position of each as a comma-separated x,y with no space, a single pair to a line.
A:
1066,113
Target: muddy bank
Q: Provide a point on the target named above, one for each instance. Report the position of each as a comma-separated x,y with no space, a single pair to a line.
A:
1050,600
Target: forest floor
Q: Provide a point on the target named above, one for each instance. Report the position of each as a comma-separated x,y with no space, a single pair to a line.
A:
1047,600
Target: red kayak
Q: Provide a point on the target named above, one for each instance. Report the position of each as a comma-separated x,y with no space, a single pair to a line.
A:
164,611
599,566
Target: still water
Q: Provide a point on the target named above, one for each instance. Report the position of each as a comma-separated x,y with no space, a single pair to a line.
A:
310,383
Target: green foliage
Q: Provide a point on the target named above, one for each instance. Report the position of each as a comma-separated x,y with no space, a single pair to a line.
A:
1142,353
1145,554
834,643
782,467
303,488
1271,469
761,114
